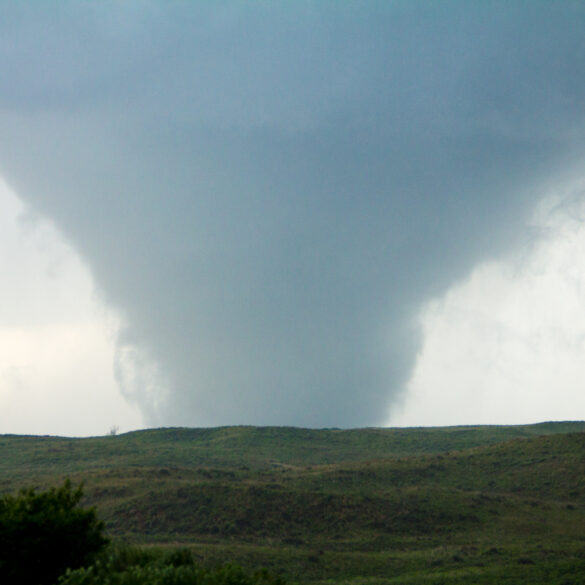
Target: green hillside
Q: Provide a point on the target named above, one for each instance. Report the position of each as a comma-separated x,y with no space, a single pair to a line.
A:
430,505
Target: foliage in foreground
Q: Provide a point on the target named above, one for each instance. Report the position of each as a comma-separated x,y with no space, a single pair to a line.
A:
130,566
43,534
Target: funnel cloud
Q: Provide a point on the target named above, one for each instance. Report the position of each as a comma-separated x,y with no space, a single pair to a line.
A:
268,193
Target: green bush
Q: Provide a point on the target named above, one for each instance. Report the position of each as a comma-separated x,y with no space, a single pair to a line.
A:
43,534
175,568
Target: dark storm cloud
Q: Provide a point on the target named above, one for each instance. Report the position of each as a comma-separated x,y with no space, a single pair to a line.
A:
267,192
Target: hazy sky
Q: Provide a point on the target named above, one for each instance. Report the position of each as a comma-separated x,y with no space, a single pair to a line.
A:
307,213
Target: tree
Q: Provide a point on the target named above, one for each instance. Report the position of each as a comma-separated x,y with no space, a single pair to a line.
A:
43,534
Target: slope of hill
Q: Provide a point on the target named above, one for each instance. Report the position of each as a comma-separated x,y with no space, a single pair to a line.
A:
445,505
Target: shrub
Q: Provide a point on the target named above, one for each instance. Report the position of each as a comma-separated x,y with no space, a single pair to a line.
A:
175,568
43,534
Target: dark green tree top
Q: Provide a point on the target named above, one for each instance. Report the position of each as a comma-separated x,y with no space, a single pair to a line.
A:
42,534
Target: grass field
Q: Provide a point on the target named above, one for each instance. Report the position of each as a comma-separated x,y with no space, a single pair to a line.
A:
460,505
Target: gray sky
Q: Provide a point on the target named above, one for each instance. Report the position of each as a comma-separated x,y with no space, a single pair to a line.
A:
265,197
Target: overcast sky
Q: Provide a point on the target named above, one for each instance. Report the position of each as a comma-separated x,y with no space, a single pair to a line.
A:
301,213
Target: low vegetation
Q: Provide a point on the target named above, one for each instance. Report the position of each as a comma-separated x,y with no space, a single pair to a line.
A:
462,505
132,566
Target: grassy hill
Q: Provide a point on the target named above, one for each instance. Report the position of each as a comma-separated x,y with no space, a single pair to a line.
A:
378,506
